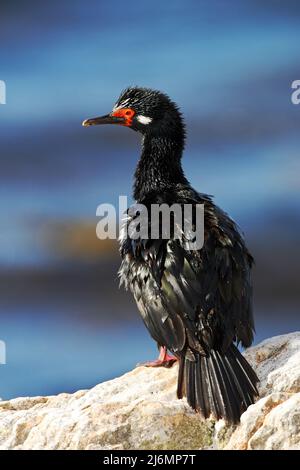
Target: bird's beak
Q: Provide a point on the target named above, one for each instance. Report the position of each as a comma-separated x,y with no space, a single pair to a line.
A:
107,119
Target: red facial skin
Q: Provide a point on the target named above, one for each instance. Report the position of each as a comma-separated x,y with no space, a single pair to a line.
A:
126,113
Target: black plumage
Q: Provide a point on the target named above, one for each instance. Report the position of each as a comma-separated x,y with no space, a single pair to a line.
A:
197,304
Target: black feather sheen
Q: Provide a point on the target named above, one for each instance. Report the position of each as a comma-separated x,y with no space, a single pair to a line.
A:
195,303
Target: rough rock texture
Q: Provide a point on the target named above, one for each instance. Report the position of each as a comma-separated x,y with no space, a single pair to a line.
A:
140,411
273,422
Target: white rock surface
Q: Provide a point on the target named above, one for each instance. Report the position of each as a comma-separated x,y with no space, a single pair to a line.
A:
273,422
140,411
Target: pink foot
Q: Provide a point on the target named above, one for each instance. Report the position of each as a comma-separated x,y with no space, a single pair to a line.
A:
164,360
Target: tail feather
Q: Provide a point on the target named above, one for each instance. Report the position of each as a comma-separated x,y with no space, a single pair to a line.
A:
224,392
190,378
233,409
201,394
218,395
222,385
205,388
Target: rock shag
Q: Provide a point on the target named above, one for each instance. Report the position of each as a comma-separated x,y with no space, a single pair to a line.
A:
196,304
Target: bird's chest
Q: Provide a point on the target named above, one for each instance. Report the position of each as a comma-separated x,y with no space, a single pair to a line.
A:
142,256
141,264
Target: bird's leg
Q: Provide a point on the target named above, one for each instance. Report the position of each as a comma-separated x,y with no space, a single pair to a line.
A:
164,359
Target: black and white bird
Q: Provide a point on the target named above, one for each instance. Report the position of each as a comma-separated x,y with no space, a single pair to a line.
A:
196,304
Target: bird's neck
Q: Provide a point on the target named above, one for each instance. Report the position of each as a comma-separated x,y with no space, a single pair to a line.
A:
159,167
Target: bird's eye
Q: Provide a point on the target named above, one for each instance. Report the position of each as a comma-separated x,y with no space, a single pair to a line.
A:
129,112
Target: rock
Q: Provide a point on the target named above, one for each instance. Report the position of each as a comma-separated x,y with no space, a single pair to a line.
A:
140,411
273,422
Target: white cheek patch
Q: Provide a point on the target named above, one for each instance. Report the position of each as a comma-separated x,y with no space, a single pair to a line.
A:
144,119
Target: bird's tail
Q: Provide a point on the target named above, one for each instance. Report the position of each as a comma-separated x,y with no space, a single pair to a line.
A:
222,385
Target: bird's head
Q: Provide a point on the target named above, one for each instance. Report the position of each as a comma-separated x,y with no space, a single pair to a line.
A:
144,110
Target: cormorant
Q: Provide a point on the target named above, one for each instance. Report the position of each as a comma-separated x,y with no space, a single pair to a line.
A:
196,304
